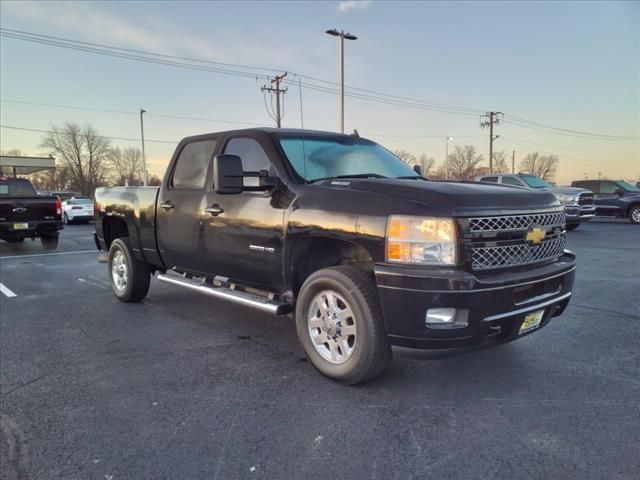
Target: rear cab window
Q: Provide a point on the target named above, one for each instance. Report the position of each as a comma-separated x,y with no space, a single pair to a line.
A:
489,179
512,181
17,188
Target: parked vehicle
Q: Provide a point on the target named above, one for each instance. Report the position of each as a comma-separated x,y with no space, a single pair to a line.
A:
365,251
25,214
578,202
77,209
614,198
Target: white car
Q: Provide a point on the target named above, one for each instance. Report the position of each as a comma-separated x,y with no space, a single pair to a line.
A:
77,209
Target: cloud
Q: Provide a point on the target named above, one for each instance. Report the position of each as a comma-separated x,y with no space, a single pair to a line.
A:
353,5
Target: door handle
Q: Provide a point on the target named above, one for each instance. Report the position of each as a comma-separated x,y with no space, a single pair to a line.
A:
167,206
214,210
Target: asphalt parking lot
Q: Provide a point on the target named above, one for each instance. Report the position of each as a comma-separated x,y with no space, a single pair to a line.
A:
186,387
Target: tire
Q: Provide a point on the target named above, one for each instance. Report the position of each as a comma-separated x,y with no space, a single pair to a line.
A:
65,219
355,357
130,277
634,214
49,242
573,226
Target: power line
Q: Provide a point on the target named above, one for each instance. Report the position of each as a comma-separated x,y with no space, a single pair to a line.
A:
565,147
530,148
278,91
11,127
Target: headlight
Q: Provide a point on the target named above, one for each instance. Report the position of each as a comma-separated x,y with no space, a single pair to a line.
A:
564,199
421,240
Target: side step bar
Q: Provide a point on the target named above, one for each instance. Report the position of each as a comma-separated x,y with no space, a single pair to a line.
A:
243,298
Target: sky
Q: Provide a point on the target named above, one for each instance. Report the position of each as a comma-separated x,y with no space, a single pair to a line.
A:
568,65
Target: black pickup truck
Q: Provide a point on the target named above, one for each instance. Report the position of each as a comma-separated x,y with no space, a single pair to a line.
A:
336,229
25,214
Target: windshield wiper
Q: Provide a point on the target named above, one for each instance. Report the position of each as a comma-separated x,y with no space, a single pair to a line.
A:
352,175
410,177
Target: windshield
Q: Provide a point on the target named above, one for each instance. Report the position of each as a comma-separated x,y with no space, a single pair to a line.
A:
315,158
80,201
627,186
535,182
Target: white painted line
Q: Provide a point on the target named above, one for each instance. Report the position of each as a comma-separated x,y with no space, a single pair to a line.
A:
6,291
51,254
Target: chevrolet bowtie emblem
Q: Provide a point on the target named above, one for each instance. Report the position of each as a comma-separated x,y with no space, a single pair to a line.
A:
535,235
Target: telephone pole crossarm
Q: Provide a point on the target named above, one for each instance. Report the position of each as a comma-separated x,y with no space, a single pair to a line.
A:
277,90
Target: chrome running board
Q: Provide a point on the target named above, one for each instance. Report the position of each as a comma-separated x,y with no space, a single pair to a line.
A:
236,296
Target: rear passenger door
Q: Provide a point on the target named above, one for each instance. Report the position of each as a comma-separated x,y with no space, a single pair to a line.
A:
244,241
180,207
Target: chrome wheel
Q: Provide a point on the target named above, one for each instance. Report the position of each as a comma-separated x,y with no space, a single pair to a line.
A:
332,326
635,215
119,271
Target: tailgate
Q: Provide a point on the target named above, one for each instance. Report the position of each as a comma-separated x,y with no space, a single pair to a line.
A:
17,209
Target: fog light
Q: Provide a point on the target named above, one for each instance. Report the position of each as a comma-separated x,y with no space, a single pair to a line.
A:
446,318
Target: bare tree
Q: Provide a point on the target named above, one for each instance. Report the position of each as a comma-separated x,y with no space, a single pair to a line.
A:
56,179
126,166
500,162
543,166
426,164
463,162
406,157
82,152
155,181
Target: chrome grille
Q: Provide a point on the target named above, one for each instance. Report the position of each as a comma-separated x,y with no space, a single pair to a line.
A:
517,222
486,258
585,199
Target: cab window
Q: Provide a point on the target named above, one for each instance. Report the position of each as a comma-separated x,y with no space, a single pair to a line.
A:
190,170
608,187
253,156
512,181
489,179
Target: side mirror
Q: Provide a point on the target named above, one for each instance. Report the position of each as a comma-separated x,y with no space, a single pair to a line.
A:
227,174
619,191
417,169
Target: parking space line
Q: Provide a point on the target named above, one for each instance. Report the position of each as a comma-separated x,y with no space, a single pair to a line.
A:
6,291
50,254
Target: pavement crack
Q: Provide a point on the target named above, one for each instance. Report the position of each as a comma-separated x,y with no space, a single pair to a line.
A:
62,367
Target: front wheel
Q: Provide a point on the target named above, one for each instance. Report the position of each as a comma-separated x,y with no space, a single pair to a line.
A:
340,326
130,277
634,214
65,219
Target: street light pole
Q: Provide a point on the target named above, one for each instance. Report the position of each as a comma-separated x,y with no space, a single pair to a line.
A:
446,157
342,37
145,180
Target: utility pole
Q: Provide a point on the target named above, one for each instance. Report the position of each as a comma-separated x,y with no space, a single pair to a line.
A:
490,119
446,157
145,180
277,90
513,161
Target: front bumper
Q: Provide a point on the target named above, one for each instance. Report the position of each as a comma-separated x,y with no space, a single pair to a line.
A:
578,214
496,303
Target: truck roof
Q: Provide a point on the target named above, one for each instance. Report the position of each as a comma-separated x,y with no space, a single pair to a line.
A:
271,131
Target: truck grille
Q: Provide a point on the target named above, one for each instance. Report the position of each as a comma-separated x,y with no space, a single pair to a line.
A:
585,199
485,258
494,242
517,222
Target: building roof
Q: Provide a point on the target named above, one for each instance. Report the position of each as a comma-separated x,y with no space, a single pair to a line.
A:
10,165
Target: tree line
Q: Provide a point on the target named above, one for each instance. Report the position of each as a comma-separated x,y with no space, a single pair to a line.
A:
465,163
85,160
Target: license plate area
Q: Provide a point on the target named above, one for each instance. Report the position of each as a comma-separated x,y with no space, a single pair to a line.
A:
531,322
20,226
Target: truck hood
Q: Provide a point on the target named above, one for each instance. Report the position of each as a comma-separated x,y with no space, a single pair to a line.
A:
454,199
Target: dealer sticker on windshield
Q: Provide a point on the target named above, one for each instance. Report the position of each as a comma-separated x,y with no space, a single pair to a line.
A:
531,322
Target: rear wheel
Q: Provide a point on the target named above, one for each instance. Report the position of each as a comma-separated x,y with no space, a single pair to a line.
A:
340,326
65,219
573,226
634,214
130,277
49,242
